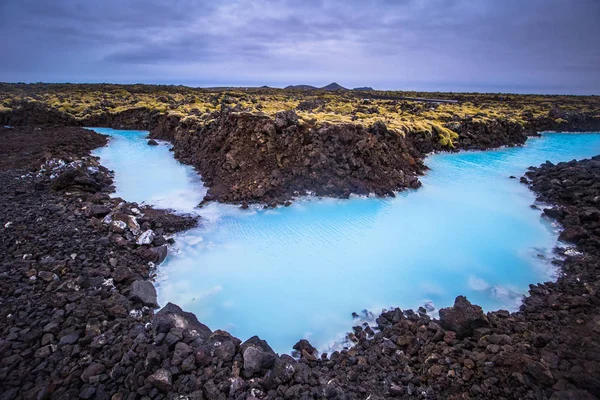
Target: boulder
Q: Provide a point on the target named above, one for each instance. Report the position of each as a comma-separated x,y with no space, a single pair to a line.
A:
143,292
573,234
258,342
224,346
303,347
122,274
283,119
152,142
75,178
554,212
171,316
281,372
463,317
256,361
155,254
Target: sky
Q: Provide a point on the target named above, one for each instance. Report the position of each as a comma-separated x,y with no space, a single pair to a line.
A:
522,46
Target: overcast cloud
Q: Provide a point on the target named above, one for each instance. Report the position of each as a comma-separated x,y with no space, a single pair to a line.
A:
541,46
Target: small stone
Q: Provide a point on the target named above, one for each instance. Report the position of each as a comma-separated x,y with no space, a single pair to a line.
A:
188,364
174,336
98,211
92,370
161,380
145,238
47,339
118,226
43,352
181,352
69,339
87,392
449,337
47,276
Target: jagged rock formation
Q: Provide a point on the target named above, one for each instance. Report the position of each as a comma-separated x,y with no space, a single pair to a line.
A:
249,158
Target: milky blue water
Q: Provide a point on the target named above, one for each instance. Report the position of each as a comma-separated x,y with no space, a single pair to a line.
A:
149,174
299,272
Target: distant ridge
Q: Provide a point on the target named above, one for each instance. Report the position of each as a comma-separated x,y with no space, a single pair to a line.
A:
331,87
301,87
363,88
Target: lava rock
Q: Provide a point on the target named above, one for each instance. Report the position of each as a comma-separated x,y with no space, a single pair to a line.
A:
171,316
143,292
155,254
147,237
463,317
256,361
573,234
161,379
98,211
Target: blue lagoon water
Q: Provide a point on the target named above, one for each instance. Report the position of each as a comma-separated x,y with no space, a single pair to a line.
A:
149,174
300,271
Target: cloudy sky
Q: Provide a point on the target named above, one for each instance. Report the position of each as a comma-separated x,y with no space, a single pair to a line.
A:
527,46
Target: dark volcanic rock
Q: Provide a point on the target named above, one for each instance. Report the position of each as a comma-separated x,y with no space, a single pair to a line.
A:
161,380
155,254
152,142
44,144
143,292
304,348
171,316
573,234
98,211
251,158
257,361
463,317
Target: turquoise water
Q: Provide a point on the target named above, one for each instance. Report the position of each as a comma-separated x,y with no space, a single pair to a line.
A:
299,272
149,174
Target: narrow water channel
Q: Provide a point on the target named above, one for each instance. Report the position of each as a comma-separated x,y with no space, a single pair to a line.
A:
299,272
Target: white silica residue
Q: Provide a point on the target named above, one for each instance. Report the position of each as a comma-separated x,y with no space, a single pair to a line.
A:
300,271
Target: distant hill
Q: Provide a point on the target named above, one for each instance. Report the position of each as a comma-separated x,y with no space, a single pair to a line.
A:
363,88
331,87
301,87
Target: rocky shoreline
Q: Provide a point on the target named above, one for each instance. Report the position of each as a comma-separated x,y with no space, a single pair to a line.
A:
78,321
247,158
